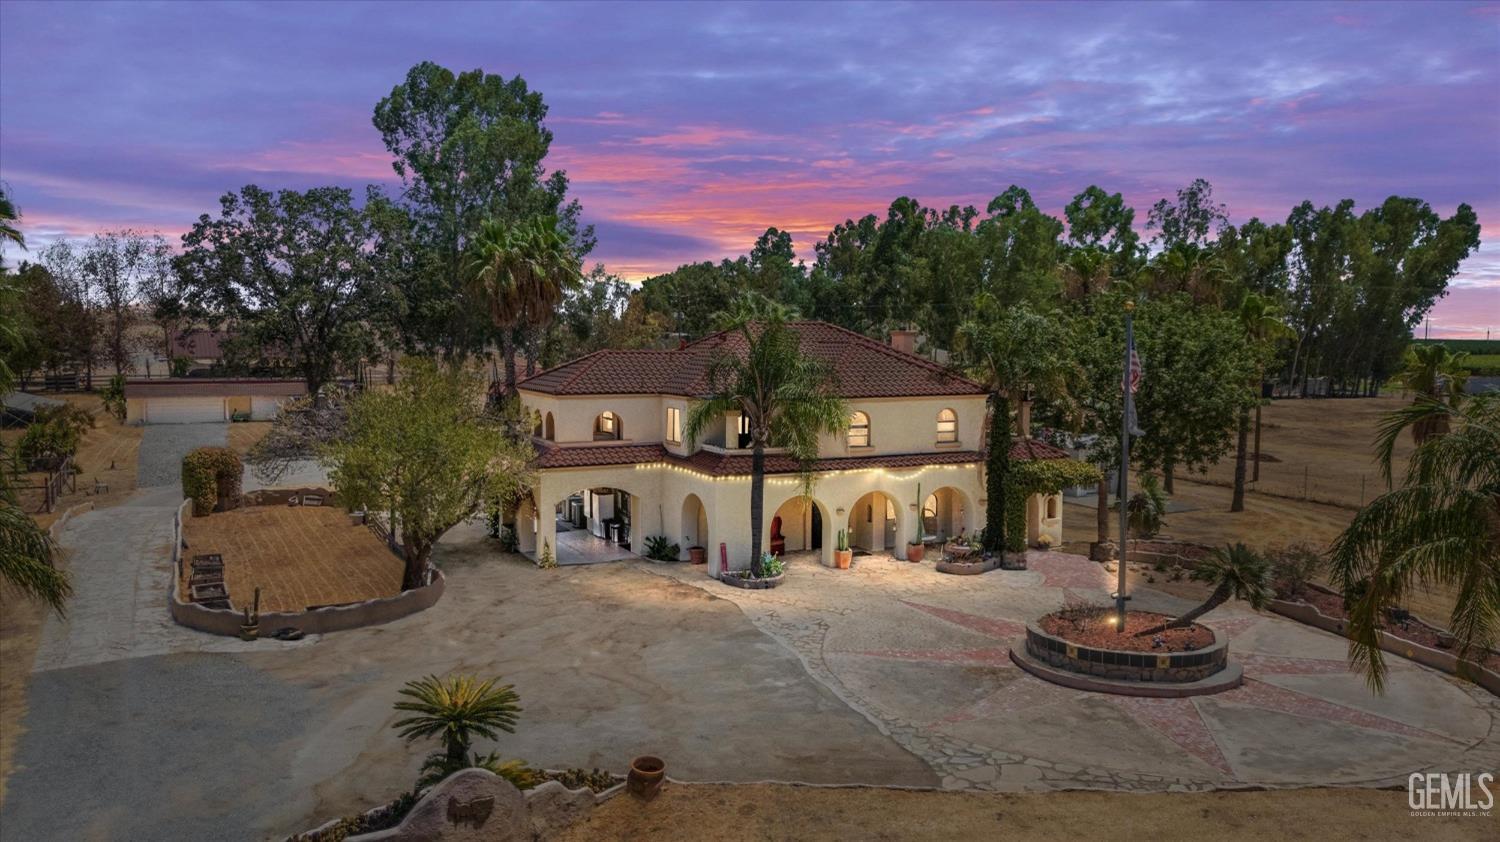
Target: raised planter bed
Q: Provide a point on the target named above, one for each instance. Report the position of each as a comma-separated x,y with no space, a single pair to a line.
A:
1126,671
968,566
734,579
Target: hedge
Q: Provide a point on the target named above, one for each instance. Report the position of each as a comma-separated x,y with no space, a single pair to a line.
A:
210,474
1038,476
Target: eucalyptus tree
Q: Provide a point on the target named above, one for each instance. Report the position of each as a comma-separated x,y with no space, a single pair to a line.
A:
787,396
123,265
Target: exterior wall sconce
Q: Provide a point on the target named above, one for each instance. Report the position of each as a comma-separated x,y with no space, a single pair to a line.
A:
839,510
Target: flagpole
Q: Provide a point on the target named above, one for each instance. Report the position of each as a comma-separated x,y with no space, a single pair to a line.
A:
1124,491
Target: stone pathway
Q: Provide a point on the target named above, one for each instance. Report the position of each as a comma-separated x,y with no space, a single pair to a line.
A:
925,658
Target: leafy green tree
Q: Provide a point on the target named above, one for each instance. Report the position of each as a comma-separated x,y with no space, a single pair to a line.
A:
604,312
1236,572
1193,219
691,296
26,551
1102,222
122,264
78,330
1015,353
456,709
292,272
469,147
787,396
427,451
1440,527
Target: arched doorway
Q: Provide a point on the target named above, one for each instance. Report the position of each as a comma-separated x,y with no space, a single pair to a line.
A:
694,525
946,513
594,525
874,523
799,525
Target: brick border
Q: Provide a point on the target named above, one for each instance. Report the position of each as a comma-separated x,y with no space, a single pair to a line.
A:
748,584
1119,665
1228,678
226,621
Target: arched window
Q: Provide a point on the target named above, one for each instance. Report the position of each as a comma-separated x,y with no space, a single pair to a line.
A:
947,426
548,431
537,430
859,430
1051,508
607,426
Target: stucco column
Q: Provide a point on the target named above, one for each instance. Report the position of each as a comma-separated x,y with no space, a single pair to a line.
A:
546,517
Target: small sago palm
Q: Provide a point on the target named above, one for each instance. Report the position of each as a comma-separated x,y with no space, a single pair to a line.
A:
456,709
786,396
1236,572
1440,527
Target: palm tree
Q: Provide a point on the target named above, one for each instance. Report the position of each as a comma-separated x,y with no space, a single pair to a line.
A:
8,215
1441,527
1235,572
520,271
1189,268
456,709
787,397
1260,319
1432,372
1016,354
1084,272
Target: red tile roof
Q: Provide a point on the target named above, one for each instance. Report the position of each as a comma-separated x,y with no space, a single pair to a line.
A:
864,368
738,464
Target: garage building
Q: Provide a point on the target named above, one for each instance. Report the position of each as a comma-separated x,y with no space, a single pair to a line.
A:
200,400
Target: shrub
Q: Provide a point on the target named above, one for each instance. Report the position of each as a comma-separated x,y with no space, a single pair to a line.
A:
181,366
1292,567
659,548
1146,510
55,431
546,560
211,474
771,565
114,396
1081,612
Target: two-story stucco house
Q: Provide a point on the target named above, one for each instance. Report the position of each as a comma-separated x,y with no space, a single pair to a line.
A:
614,464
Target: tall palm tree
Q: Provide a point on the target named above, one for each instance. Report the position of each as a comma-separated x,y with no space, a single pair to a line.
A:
1189,268
521,272
1440,527
1084,272
1261,321
1433,373
1235,572
8,216
1016,353
787,396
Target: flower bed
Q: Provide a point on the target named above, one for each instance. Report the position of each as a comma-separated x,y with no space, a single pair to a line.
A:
1100,632
1125,658
743,579
1331,605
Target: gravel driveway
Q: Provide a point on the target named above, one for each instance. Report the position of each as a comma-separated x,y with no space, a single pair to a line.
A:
164,445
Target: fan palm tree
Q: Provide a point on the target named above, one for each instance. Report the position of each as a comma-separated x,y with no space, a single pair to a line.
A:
1084,272
1015,353
1260,319
1235,572
787,397
1189,268
1429,371
1441,527
456,709
521,272
8,216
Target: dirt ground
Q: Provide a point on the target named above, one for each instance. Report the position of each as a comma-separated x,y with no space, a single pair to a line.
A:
1328,444
244,434
719,813
297,556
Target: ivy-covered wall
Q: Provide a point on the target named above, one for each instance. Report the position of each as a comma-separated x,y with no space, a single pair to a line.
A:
1038,476
211,474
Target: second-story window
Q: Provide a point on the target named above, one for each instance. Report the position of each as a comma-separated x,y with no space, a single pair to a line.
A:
947,426
674,424
744,431
607,426
859,430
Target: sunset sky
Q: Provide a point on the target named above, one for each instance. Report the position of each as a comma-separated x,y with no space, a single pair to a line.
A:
688,129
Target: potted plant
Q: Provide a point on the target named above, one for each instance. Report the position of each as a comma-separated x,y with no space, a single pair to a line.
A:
915,550
843,556
698,555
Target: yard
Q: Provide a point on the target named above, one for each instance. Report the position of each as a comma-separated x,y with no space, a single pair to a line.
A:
106,456
299,556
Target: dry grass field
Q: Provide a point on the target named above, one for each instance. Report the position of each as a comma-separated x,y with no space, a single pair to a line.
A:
297,555
107,455
1325,446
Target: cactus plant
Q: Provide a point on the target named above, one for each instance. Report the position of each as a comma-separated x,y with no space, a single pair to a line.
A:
843,544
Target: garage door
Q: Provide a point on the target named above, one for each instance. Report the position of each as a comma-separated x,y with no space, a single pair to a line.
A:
184,410
264,408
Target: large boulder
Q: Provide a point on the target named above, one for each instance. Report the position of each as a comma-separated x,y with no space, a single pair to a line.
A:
553,807
467,806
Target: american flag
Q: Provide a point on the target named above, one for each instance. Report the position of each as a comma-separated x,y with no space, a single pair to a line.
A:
1135,369
1133,376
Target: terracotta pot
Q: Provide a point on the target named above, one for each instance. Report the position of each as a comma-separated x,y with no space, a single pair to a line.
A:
698,555
915,552
646,775
843,558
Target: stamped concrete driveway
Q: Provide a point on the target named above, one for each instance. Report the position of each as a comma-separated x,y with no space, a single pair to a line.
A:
926,658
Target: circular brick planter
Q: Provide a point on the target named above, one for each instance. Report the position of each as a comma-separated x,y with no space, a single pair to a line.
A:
967,566
1198,672
749,584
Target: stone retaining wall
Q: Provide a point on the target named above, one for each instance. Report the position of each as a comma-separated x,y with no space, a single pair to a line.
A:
320,621
1169,667
1437,659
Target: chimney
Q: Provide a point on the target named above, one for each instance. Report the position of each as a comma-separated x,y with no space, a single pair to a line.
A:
904,341
1023,417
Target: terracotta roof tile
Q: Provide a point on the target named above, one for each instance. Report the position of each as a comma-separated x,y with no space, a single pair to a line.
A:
864,368
1026,449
